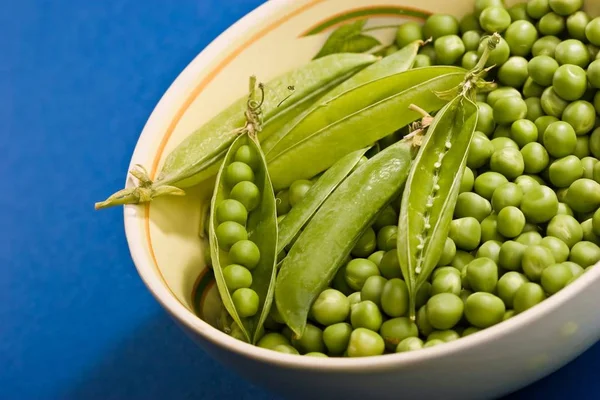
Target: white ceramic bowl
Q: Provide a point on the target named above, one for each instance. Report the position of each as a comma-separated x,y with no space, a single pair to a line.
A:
164,242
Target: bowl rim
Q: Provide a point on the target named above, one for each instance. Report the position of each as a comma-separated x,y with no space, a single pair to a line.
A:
162,293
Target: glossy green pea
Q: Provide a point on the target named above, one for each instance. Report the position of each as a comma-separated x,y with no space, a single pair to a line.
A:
444,310
539,204
489,229
485,119
409,344
461,259
366,244
583,195
230,232
552,24
471,39
513,72
582,150
394,298
552,103
526,183
423,294
366,314
389,265
502,131
565,228
564,171
521,35
468,180
575,268
231,210
542,124
482,274
564,209
508,161
246,193
572,51
545,45
330,307
246,302
534,108
446,283
595,136
535,158
446,336
472,205
358,271
532,89
388,216
570,82
507,194
407,33
511,222
466,233
504,142
491,250
373,289
339,281
440,271
528,295
236,277
364,343
531,238
376,257
238,172
555,277
395,330
484,310
336,337
449,49
535,260
310,341
488,182
565,7
581,115
387,237
559,249
592,31
480,151
283,202
286,349
469,60
448,253
541,69
596,222
502,93
272,339
508,285
438,25
585,254
511,255
423,321
499,55
494,19
246,253
523,131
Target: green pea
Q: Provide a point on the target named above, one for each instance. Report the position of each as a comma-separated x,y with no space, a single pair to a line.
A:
565,7
472,205
238,172
596,222
231,210
465,232
508,161
364,343
575,268
310,341
583,195
246,155
331,307
494,19
446,283
499,55
339,281
491,250
555,277
394,298
433,342
572,51
593,74
523,131
376,257
488,182
423,321
511,255
246,253
407,33
246,193
298,190
388,216
423,294
373,289
502,131
565,228
316,354
559,249
438,25
387,237
535,260
485,120
441,271
389,265
480,151
482,275
230,232
580,115
354,298
541,69
564,171
525,183
489,229
336,337
461,259
236,277
531,238
511,222
444,310
469,331
545,46
564,209
468,180
543,123
508,285
471,39
282,201
539,204
552,103
595,136
366,314
521,35
585,254
429,52
509,109
592,31
448,253
552,24
409,344
500,143
286,349
446,336
528,295
582,150
395,330
507,194
246,302
469,60
366,244
272,339
358,271
481,5
562,194
532,89
570,82
534,109
484,310
449,49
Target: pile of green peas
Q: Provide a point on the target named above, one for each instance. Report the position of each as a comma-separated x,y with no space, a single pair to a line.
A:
232,235
527,219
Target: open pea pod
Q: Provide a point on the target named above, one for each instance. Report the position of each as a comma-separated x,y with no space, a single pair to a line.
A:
397,62
261,228
198,157
302,212
431,192
336,132
328,238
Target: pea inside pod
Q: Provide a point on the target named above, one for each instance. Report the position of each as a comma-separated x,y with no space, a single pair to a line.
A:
243,251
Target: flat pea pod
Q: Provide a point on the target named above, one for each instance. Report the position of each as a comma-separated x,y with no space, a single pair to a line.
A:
326,241
397,62
301,213
198,156
261,229
431,192
346,123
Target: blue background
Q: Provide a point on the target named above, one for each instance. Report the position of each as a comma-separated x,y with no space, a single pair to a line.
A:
78,80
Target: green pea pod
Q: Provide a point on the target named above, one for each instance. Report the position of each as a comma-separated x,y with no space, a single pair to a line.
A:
198,157
339,132
328,238
397,62
301,213
431,192
262,231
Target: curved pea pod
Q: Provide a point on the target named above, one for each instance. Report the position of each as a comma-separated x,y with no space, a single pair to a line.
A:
262,231
431,192
397,62
198,157
328,238
302,212
358,118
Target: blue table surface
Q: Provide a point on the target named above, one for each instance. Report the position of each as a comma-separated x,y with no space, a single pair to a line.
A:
78,80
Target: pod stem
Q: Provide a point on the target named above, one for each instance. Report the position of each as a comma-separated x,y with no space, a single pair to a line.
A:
147,190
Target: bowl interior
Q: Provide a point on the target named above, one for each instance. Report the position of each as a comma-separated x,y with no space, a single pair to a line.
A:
166,238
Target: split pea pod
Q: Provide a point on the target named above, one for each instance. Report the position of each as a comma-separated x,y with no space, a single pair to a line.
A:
328,238
397,62
243,237
302,212
358,118
433,184
198,157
